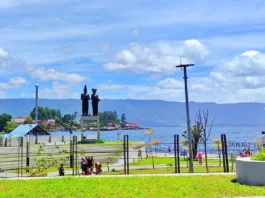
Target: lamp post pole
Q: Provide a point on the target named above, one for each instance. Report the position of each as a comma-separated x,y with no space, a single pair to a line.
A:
36,107
263,138
184,67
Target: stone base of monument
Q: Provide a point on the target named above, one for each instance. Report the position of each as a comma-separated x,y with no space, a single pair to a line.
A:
250,172
89,139
91,118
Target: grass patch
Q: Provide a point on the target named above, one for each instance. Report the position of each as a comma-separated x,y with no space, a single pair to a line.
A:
167,160
169,170
181,186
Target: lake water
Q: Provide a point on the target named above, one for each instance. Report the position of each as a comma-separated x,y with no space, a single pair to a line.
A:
242,134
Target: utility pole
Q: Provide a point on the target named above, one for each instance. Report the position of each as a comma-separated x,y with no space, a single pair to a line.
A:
36,106
184,68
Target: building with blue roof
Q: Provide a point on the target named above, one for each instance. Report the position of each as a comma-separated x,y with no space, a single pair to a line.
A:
28,129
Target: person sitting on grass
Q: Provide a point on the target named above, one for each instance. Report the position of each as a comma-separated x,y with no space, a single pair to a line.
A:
89,165
84,166
61,170
98,167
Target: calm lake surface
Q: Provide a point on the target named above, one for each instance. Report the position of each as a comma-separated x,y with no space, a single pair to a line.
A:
166,134
242,134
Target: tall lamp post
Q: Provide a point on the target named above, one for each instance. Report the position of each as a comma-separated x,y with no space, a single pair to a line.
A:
263,138
184,68
36,106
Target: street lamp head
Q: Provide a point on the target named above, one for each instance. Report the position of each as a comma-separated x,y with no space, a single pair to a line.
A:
185,65
37,85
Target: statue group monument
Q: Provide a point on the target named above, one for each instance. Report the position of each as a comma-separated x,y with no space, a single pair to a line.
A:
85,109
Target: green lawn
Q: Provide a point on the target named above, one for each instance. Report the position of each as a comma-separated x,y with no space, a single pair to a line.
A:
119,187
169,170
168,160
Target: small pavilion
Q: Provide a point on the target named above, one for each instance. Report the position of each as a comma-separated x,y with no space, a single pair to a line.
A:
28,129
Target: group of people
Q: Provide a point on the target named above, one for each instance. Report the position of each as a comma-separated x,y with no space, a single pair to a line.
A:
87,166
245,153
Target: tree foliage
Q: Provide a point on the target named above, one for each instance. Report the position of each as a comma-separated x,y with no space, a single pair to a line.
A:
46,113
202,119
29,120
10,126
196,136
108,117
123,120
67,118
4,118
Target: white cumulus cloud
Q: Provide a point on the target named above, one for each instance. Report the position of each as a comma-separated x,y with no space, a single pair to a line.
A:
170,83
244,71
3,54
10,64
135,32
14,82
158,57
51,74
110,86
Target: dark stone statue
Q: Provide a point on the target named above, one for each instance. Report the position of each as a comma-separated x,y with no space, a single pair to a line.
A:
95,100
85,98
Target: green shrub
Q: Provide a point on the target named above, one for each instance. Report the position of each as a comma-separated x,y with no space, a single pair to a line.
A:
260,156
119,151
100,141
113,170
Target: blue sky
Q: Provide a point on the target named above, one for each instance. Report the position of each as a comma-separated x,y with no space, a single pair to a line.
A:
128,49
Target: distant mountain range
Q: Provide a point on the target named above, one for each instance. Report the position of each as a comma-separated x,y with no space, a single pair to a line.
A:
149,112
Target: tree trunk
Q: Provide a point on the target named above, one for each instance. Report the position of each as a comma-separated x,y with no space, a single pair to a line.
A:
219,156
195,148
206,159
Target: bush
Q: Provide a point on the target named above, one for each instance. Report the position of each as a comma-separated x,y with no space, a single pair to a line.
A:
260,156
100,141
113,170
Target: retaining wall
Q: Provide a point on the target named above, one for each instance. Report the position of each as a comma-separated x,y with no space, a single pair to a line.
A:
51,140
250,172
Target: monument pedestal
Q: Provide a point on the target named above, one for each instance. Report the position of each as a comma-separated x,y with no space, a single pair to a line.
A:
88,118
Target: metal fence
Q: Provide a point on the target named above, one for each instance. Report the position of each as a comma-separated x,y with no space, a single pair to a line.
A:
25,159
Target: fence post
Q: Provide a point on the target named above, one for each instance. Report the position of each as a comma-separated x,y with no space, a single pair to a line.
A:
36,139
226,155
76,155
178,153
127,139
71,150
21,147
223,152
18,156
175,153
27,152
124,154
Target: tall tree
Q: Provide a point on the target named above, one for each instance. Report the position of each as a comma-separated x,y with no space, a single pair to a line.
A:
196,136
202,125
74,115
4,118
217,145
108,117
123,120
67,118
10,126
46,113
29,120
